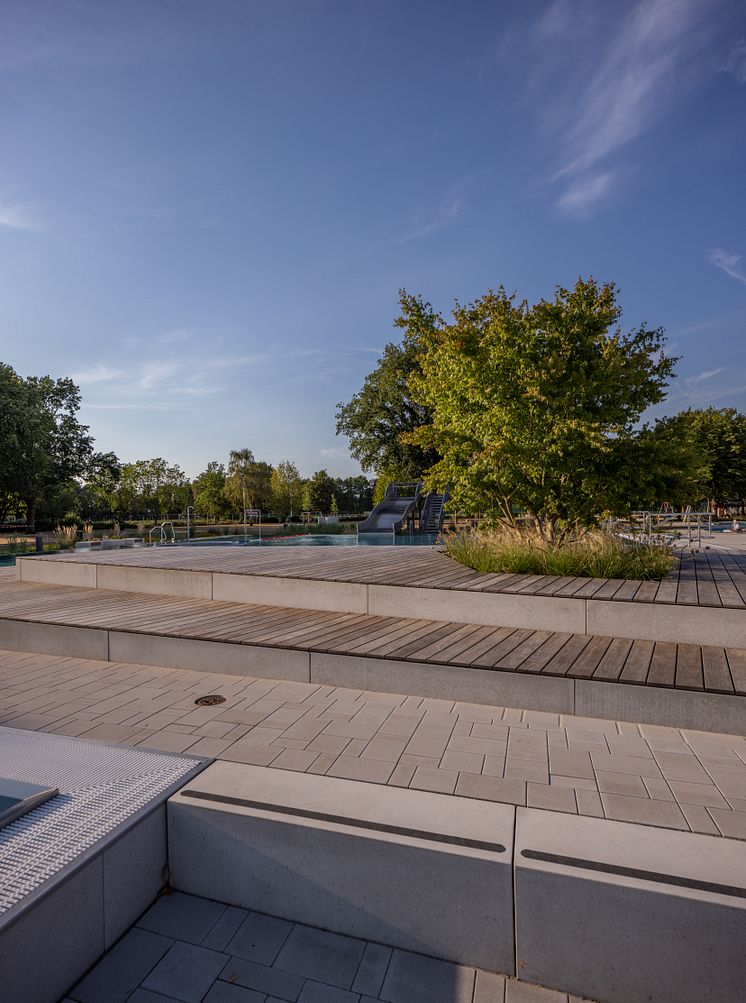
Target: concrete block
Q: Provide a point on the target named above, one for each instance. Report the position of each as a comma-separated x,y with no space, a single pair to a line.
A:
297,593
56,571
53,639
489,686
209,656
135,870
662,622
657,705
491,609
435,881
155,581
52,943
628,913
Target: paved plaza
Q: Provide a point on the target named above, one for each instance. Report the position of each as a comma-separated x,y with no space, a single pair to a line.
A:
197,951
676,779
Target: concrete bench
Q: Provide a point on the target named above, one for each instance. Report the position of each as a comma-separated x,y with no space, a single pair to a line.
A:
421,871
629,913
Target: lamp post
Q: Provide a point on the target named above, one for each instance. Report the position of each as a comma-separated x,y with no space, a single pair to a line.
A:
189,508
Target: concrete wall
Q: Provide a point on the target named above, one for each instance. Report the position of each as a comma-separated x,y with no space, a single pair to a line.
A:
644,621
66,928
607,910
556,694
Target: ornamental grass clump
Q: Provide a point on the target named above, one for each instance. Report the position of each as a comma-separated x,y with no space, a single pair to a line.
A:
591,554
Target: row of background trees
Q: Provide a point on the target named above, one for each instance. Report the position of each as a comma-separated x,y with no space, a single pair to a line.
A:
50,471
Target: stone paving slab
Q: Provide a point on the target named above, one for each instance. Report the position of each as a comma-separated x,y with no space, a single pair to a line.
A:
269,960
680,779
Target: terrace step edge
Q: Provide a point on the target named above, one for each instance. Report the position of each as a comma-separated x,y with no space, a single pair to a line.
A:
673,623
640,704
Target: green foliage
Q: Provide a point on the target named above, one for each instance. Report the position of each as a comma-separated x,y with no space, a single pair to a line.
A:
248,483
320,491
151,486
533,408
42,443
590,555
287,487
701,457
376,417
208,489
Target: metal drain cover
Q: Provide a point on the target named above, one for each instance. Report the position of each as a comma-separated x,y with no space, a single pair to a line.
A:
210,700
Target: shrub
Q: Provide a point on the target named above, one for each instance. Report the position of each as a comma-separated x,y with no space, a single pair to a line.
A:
594,554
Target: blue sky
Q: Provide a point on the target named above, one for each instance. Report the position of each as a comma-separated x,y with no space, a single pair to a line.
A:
207,209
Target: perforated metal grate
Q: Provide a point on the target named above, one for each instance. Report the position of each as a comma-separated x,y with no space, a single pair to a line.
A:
100,787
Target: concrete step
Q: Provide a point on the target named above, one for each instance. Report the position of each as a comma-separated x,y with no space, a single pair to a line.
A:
636,610
685,686
613,911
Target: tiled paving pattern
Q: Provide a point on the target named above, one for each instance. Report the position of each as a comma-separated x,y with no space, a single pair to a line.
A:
552,653
196,951
636,773
706,578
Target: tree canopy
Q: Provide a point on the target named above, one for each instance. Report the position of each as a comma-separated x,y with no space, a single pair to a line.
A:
42,443
377,417
533,408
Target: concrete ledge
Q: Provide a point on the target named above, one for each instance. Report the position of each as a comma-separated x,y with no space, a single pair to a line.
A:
72,573
50,945
432,880
209,656
299,593
498,609
725,628
119,578
54,639
657,705
643,621
489,686
627,913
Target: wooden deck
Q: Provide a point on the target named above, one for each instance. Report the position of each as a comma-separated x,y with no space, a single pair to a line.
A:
538,652
708,578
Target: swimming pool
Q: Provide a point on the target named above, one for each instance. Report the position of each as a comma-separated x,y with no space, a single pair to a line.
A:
325,540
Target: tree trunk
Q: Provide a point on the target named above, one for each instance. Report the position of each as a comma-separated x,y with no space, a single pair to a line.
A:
31,513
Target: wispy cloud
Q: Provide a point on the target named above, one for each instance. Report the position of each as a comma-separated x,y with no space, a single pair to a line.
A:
96,374
584,192
14,216
598,77
334,454
450,209
735,64
706,374
729,263
636,76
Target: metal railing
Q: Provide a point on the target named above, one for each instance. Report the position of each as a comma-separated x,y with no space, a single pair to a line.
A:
163,534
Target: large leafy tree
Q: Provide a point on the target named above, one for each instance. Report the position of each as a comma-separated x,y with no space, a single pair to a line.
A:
321,488
248,483
43,446
533,408
287,487
376,417
151,486
208,489
703,457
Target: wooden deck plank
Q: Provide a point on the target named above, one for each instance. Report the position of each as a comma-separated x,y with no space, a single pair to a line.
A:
612,664
663,665
716,672
689,667
638,662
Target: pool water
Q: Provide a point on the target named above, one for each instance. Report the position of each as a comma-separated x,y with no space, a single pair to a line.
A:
329,540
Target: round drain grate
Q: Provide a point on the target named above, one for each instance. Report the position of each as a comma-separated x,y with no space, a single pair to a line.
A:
210,700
